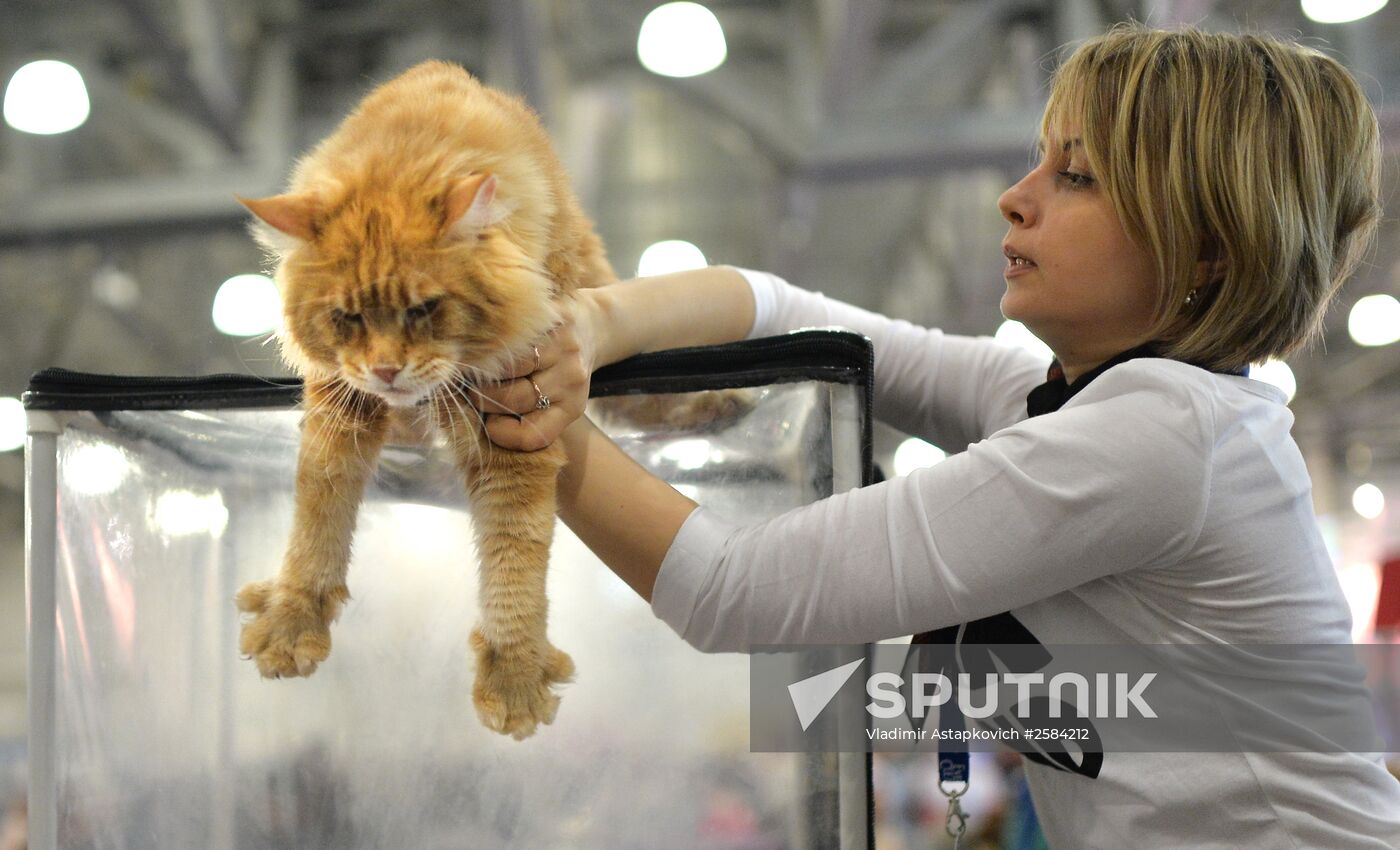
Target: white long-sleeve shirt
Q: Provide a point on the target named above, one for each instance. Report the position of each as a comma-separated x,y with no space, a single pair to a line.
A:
1162,504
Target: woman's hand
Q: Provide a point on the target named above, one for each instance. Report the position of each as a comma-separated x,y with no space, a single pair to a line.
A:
516,416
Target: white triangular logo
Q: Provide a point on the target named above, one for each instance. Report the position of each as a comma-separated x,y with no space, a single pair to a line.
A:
812,694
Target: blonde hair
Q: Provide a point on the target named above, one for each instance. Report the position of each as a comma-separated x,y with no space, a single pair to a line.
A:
1258,154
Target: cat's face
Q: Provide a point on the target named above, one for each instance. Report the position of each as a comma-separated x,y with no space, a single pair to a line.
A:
397,304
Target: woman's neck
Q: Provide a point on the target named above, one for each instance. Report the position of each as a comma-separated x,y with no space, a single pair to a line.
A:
1076,364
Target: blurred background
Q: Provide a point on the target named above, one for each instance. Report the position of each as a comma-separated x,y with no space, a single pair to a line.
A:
856,147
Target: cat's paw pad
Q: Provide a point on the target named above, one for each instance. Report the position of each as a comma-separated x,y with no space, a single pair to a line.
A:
289,633
513,693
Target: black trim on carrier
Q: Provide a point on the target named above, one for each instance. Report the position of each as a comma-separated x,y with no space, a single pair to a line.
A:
836,356
825,355
61,389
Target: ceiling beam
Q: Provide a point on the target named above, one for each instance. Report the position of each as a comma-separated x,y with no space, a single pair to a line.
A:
853,30
207,105
518,29
948,55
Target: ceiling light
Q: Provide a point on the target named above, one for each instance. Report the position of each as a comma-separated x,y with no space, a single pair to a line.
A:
914,454
1018,335
12,424
247,305
672,255
681,40
115,288
1374,320
1340,11
46,97
1368,500
1276,372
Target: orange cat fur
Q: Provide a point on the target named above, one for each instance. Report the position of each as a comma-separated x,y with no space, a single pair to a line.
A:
422,247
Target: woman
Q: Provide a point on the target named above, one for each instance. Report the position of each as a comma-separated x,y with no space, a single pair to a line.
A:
1198,201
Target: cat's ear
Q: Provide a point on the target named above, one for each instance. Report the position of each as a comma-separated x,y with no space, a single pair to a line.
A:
472,206
293,214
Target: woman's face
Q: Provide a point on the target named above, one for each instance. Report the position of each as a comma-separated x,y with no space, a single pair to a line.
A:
1081,285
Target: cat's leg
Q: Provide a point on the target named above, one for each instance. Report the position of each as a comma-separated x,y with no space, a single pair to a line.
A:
513,506
289,632
513,499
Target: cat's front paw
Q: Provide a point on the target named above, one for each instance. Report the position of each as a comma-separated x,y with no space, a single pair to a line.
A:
289,632
513,693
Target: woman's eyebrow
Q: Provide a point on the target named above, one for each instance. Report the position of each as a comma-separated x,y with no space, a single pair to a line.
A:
1040,144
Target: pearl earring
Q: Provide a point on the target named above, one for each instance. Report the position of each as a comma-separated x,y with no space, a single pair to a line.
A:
1190,298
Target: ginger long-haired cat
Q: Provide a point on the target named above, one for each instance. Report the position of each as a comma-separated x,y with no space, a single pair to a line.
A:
422,247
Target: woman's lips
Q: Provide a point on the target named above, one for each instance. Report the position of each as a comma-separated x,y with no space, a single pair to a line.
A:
1014,268
1016,262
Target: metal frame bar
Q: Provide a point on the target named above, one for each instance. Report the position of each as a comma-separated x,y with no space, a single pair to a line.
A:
40,531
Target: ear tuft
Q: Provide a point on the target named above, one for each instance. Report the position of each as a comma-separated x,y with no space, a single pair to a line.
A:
292,214
472,206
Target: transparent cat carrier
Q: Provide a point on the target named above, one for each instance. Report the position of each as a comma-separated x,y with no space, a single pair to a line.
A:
152,500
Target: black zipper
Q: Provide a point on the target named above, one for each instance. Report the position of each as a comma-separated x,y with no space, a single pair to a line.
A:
63,389
835,356
57,379
841,356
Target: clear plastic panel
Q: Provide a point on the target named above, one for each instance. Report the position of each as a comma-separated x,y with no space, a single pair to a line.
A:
164,738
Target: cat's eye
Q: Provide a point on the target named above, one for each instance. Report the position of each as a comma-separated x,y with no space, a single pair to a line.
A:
422,311
343,318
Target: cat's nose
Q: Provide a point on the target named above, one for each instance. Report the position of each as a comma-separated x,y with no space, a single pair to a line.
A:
386,373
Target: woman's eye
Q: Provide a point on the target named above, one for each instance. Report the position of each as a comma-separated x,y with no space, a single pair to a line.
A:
1078,181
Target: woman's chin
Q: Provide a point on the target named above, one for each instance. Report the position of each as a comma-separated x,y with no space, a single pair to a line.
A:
1013,306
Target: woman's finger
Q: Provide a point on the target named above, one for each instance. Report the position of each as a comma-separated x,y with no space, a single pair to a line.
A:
536,358
528,433
546,351
514,396
562,376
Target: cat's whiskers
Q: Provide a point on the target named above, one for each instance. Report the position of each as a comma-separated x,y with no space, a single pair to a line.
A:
469,377
333,410
420,413
461,386
441,396
476,445
473,447
438,402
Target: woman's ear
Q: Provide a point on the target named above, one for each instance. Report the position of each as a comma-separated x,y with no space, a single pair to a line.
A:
1209,273
1211,267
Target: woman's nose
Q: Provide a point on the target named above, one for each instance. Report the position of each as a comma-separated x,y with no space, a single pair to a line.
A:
1015,203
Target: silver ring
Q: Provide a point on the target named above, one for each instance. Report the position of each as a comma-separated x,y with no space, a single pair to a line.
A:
536,349
542,401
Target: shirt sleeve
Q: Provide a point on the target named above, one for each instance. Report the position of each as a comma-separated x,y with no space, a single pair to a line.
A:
1117,480
951,390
